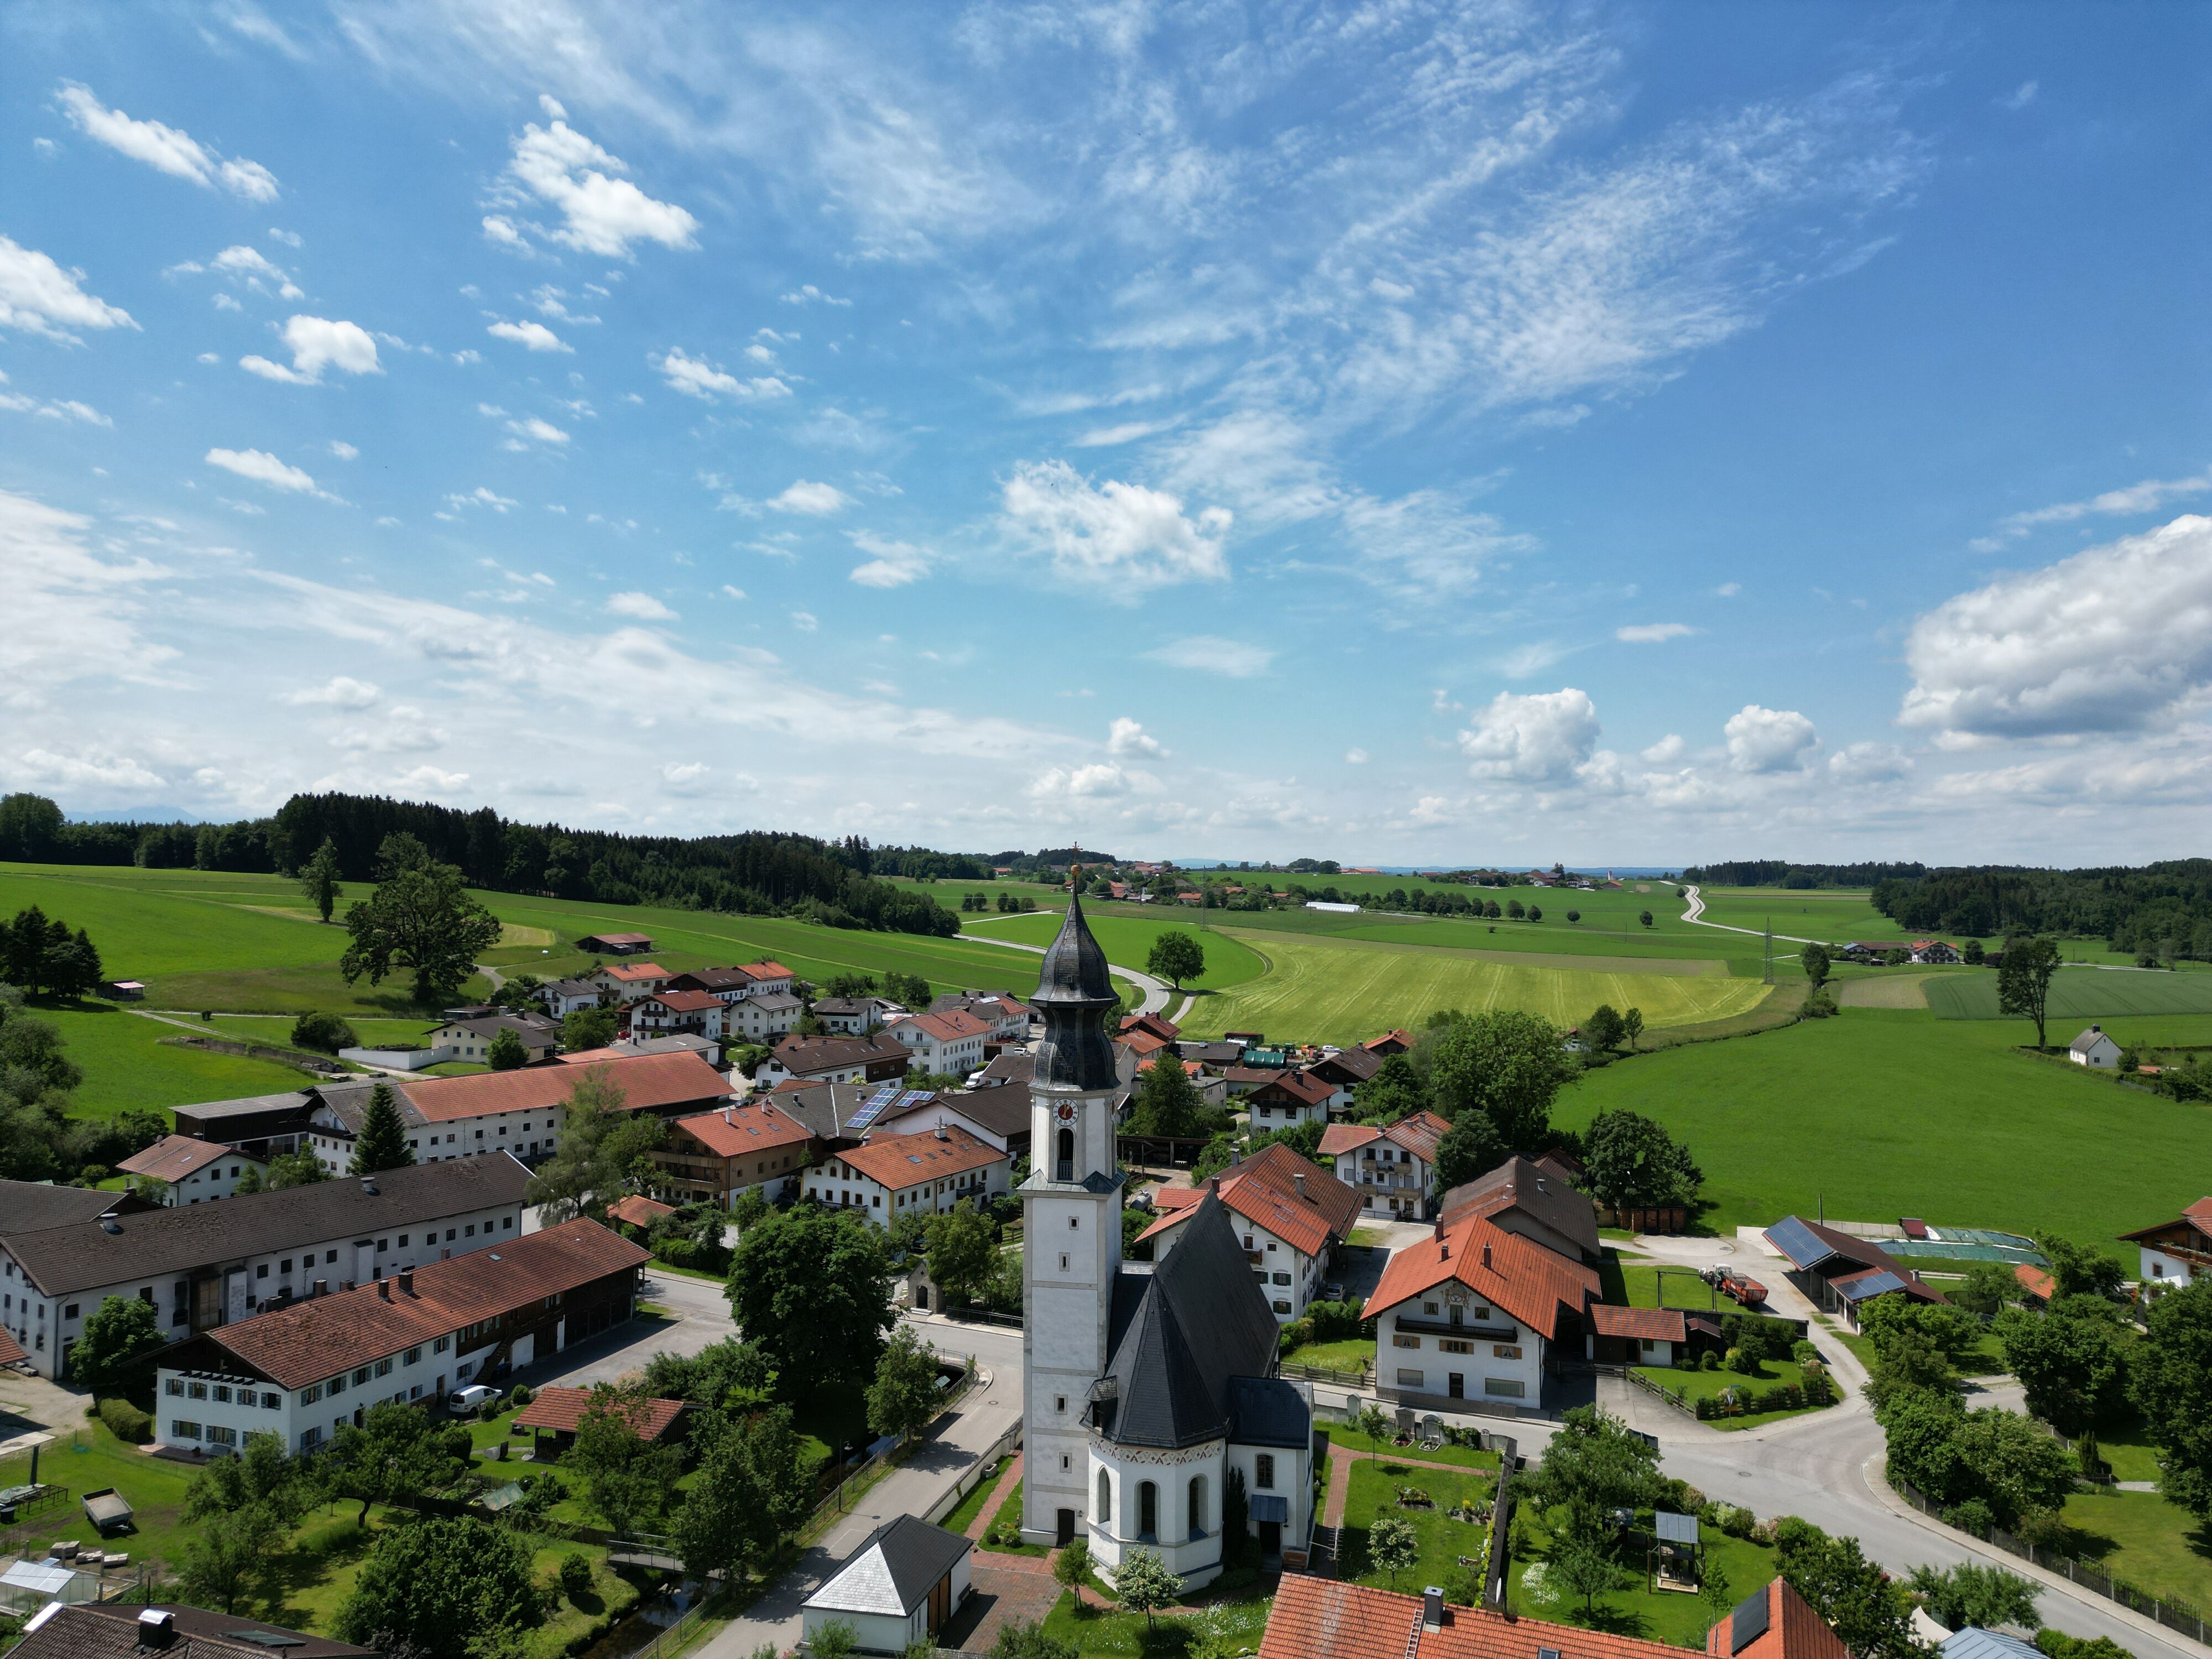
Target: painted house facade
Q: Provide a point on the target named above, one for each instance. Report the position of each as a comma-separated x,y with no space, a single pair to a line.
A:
1392,1167
890,1176
2178,1251
191,1170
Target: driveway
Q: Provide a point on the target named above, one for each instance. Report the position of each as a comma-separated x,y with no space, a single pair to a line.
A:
699,1317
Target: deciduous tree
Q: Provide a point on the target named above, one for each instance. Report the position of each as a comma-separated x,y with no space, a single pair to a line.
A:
2024,980
505,1052
1471,1147
420,917
438,1586
583,1029
1168,1103
2172,1387
1817,963
962,1245
1508,1064
319,879
1143,1584
813,1290
1175,956
902,1398
1603,1031
1870,1613
600,1145
1392,1546
120,1330
1634,1163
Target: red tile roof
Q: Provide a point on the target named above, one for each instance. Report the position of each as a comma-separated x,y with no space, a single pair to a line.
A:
1311,1091
1513,1273
648,1083
1327,1619
561,1409
1418,1133
1793,1631
686,1002
952,1025
319,1337
1263,1189
634,970
639,1211
898,1162
173,1157
2035,1281
1646,1324
1342,1138
736,1130
1390,1042
11,1350
767,968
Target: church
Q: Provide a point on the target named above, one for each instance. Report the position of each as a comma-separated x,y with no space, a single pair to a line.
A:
1152,1396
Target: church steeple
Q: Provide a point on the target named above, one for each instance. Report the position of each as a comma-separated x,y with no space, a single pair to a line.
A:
1074,994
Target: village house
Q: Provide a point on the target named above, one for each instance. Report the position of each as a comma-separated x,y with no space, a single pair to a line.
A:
665,1012
1532,1200
837,1115
879,1058
1344,1071
708,1049
898,1591
1286,1098
1466,1319
763,1017
470,1039
1840,1273
2178,1251
1934,951
711,1156
1635,1336
624,982
1005,1016
724,984
855,1016
191,1170
303,1370
519,1112
950,1044
891,1176
999,1117
638,1211
1157,1025
261,1126
564,997
614,945
1392,1168
214,1264
1390,1042
1290,1214
2094,1048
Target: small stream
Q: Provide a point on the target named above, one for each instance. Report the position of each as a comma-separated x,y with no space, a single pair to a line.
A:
660,1609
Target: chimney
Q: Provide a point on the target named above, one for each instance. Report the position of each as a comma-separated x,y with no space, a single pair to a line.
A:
1298,1180
368,1186
157,1627
1213,1186
1486,1252
406,1281
1440,1230
384,1290
941,1133
322,1288
1432,1608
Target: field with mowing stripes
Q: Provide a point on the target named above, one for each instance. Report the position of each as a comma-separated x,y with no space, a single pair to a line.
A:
1343,991
2079,993
1127,938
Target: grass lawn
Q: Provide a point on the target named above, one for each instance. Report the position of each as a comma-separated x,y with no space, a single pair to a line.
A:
1373,1492
2126,1446
2079,993
1675,1617
965,1513
1320,990
1640,1283
1912,1115
2137,1536
1350,1441
1353,1356
1127,938
1709,1385
1231,1622
126,1064
1009,1518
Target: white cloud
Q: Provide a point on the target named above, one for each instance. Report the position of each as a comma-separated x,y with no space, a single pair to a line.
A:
807,293
545,432
342,692
1653,633
484,497
1526,661
262,467
290,238
814,499
536,336
804,620
498,228
1768,739
1355,756
1424,542
165,149
1540,737
71,614
97,768
685,777
1105,437
343,451
1729,590
1669,749
1127,737
1869,762
1093,781
894,564
642,606
1209,653
53,409
2116,638
604,212
2020,96
2149,496
694,377
248,265
40,297
1122,534
317,343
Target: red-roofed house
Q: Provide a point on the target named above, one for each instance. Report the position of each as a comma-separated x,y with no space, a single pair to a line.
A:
712,1157
891,1176
1289,1097
1158,1025
1389,1043
2175,1252
1774,1623
1392,1168
949,1043
638,1211
697,1011
1635,1336
2035,1283
624,982
1470,1314
191,1169
1291,1214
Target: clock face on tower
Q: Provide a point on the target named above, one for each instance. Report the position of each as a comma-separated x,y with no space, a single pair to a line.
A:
1067,1112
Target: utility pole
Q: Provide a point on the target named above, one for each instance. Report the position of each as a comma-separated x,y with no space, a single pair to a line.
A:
1768,957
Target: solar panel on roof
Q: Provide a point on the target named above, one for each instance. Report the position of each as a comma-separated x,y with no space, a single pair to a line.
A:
1858,1289
1674,1529
915,1096
1748,1622
1798,1241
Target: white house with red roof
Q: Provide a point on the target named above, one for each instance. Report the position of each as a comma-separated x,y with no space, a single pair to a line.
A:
1290,1214
892,1176
949,1043
714,1156
193,1171
624,982
701,1012
1287,1098
2177,1251
1466,1317
1392,1167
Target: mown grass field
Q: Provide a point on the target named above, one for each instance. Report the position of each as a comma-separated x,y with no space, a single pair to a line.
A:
1883,1113
2078,994
1317,991
126,1065
1128,939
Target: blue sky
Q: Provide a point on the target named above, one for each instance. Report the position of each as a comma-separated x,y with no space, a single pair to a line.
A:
1397,433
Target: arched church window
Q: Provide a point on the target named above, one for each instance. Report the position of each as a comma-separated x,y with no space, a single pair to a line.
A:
1066,1158
1148,1511
1105,1499
1198,1506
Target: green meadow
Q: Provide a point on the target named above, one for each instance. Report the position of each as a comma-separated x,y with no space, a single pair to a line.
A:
2078,994
1128,939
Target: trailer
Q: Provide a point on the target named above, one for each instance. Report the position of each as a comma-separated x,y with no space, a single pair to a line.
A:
1745,1289
107,1510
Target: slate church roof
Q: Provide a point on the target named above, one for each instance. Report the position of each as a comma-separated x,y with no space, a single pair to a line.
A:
1074,994
1183,1336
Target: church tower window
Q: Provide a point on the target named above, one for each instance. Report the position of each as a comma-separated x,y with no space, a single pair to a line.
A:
1105,1499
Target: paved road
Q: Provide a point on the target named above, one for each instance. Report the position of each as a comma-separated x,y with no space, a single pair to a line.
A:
701,1318
1155,991
926,1474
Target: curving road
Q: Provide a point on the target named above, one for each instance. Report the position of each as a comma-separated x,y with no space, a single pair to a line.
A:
1155,992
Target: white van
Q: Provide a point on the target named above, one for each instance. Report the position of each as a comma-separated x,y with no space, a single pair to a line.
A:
464,1401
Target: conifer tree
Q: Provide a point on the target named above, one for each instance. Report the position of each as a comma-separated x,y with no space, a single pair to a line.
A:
383,1141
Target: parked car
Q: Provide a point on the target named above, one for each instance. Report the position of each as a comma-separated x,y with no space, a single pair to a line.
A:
466,1401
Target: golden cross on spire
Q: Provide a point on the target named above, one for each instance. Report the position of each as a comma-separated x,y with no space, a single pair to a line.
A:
1075,867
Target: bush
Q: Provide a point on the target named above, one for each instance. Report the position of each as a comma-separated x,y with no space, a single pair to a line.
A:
520,1398
1743,1362
1296,1335
1820,1006
1709,1361
1973,1515
454,1442
2045,1529
576,1576
1819,1388
126,1422
1804,1352
325,1033
488,1411
1338,1321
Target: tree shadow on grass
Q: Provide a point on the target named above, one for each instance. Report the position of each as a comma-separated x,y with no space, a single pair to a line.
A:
1613,1621
320,1549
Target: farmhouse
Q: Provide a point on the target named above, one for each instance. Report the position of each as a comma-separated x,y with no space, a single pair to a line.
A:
624,982
1289,1097
2177,1251
470,1040
302,1370
1470,1314
191,1170
898,1589
207,1265
712,1157
1839,1274
564,997
1393,1169
951,1043
879,1058
1291,1216
1934,950
2092,1047
519,1112
890,1176
667,1012
614,945
1527,1198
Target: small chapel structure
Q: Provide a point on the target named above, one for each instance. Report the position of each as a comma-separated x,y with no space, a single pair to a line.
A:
1153,1402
